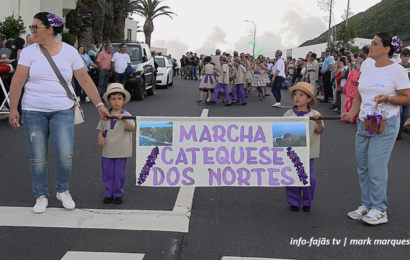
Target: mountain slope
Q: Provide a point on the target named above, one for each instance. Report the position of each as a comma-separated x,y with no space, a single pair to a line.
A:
387,16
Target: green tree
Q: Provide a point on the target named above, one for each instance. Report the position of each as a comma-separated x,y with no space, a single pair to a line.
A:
345,35
86,21
12,27
99,20
150,9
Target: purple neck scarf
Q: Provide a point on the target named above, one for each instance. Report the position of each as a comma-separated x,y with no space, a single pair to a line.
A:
300,113
112,123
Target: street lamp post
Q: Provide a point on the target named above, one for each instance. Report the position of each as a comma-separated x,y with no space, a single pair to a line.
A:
254,36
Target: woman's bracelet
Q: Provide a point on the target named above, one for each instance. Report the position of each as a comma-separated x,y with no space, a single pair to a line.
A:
99,104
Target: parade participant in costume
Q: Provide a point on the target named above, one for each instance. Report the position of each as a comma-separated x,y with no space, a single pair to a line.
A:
47,109
265,76
246,63
386,83
215,60
223,81
258,80
279,75
304,98
238,91
350,89
115,136
231,80
208,81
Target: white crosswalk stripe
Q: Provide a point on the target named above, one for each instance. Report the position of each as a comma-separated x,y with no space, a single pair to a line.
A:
250,258
79,255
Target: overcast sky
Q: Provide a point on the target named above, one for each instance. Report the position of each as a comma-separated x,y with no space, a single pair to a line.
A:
204,25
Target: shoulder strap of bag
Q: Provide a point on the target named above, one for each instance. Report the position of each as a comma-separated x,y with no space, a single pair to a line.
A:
57,72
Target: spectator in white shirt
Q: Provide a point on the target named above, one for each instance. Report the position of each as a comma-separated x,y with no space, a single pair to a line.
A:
120,61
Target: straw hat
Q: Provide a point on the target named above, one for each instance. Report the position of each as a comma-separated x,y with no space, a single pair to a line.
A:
116,88
306,88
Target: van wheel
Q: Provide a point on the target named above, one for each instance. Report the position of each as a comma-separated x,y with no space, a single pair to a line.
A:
140,90
151,91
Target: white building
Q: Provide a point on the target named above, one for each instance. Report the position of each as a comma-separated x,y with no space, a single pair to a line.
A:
300,52
28,8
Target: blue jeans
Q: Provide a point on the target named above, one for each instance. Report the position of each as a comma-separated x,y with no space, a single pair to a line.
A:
103,78
59,127
276,87
193,72
404,111
120,78
372,156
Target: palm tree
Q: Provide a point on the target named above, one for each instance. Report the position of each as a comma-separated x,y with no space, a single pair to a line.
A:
86,21
150,9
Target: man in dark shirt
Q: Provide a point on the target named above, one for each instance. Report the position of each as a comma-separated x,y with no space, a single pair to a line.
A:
194,65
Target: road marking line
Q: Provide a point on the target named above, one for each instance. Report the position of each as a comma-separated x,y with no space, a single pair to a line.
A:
150,220
176,220
184,200
80,255
250,258
205,112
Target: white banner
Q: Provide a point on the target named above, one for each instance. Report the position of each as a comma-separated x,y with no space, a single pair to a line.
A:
220,151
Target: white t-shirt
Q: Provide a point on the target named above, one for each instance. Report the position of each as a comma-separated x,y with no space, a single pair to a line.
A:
279,65
368,61
121,62
343,81
43,91
386,80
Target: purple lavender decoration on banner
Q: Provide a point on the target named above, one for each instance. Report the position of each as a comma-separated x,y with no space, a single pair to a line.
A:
298,165
54,20
148,165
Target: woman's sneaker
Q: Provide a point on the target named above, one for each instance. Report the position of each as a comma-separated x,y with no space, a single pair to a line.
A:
41,205
358,213
66,199
375,217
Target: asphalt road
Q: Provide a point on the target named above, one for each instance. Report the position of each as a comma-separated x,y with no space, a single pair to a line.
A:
245,222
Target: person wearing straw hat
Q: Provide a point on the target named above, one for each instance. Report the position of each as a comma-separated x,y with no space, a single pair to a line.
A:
305,99
115,136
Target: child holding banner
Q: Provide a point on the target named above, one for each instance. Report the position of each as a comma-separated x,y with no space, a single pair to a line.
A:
305,99
115,136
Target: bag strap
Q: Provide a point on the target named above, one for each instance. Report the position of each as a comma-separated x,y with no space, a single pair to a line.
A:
57,72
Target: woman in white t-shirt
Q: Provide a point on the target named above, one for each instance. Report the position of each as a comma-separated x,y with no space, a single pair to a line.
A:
47,109
386,83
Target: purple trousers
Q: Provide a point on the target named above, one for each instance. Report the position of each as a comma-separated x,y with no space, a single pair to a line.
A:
238,93
218,88
113,175
298,196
